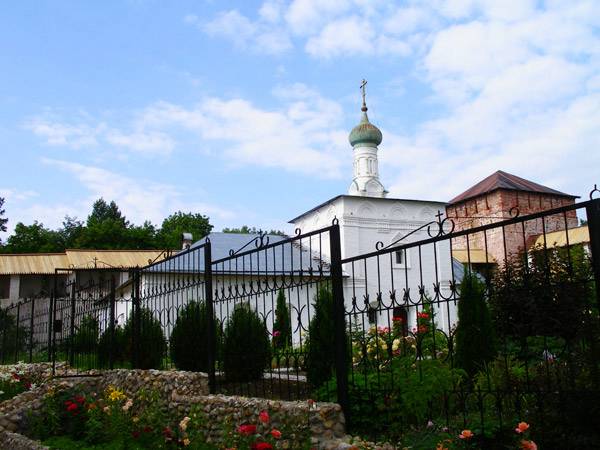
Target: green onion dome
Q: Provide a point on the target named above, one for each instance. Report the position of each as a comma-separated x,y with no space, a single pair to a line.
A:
365,134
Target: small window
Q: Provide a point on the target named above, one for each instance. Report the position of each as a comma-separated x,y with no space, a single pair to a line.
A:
400,257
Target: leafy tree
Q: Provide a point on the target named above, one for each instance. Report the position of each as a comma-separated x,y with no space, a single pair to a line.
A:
321,339
106,228
169,235
142,237
70,232
282,328
33,239
475,341
246,346
245,229
3,221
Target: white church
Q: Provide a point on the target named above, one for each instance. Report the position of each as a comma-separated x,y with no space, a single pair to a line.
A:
366,216
376,288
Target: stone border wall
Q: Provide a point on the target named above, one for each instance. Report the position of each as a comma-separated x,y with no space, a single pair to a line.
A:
180,391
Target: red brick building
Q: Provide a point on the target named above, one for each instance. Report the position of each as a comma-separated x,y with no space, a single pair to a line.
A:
497,198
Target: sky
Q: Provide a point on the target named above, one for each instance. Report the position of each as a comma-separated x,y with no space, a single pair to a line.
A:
241,110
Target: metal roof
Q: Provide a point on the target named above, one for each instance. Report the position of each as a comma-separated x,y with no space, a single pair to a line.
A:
504,180
473,256
285,258
46,263
579,235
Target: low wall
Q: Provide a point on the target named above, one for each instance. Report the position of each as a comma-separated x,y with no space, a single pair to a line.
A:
180,391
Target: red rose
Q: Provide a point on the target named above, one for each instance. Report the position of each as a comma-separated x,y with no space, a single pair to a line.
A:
135,434
80,399
263,416
247,430
147,429
72,407
262,446
276,433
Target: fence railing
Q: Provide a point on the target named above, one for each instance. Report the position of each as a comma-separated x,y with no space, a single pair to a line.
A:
472,327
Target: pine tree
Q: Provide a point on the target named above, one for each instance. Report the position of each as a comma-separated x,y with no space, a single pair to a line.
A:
282,328
321,339
475,340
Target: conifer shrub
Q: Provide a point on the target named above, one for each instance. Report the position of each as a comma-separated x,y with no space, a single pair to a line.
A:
282,328
246,345
85,339
321,339
152,345
189,338
117,345
475,340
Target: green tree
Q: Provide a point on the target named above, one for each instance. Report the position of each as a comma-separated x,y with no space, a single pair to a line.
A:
282,328
246,346
3,220
169,235
151,343
189,338
321,339
106,228
245,229
70,232
33,238
475,340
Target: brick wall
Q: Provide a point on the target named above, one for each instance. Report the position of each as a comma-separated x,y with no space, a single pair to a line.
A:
495,207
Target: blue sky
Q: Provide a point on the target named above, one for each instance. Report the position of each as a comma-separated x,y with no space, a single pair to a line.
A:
241,110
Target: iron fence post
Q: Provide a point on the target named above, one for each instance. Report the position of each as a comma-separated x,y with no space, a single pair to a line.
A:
17,332
31,324
136,318
211,317
593,218
112,323
72,326
4,326
50,322
339,317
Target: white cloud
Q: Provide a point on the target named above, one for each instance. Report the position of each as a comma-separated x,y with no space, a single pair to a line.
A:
142,141
139,200
56,133
299,136
262,35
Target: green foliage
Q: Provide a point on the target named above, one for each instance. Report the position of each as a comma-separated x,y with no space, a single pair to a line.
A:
169,235
151,346
282,328
12,341
475,342
85,339
321,339
117,344
105,228
245,229
246,345
407,393
3,220
189,338
32,238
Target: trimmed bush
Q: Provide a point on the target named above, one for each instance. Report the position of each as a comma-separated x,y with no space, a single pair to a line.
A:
282,328
152,344
475,342
118,345
189,338
321,339
85,339
246,345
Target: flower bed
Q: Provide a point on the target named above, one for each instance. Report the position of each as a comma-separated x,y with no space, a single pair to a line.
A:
74,418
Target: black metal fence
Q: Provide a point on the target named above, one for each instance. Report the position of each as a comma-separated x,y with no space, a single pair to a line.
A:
408,341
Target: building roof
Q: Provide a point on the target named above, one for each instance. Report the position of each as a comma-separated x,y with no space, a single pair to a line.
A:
578,235
473,256
299,258
387,199
504,180
46,263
